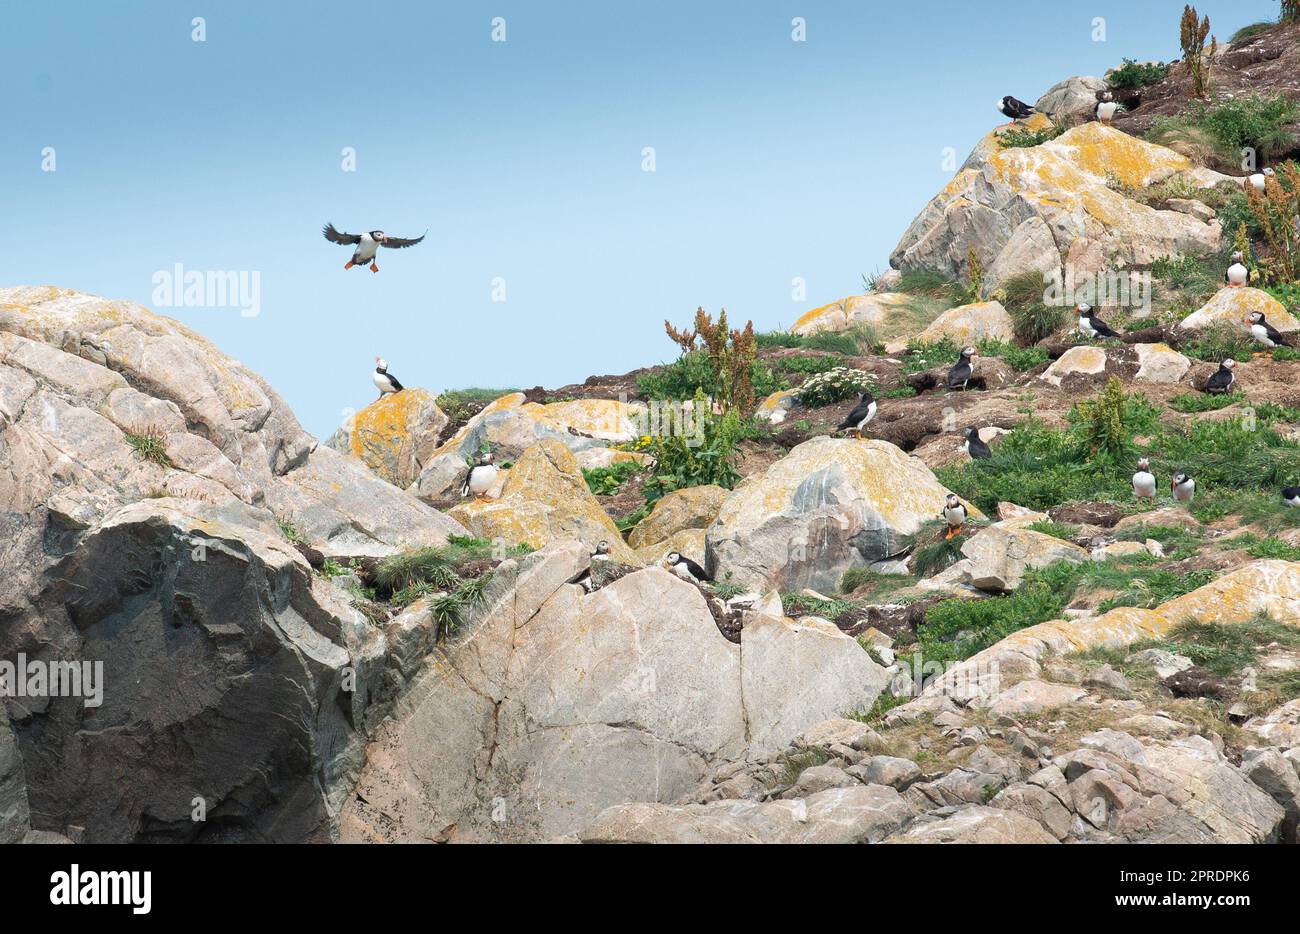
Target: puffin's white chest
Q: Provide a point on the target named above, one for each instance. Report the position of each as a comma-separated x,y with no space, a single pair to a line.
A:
1260,333
1144,484
682,571
382,382
1259,181
1086,328
1184,491
955,515
1238,274
1106,110
871,413
366,249
481,478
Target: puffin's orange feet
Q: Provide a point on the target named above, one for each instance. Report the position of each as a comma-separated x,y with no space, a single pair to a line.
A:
374,267
952,533
349,264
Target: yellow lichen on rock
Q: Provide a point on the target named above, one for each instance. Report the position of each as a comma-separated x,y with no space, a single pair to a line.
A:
692,508
545,499
873,309
969,324
1082,359
396,434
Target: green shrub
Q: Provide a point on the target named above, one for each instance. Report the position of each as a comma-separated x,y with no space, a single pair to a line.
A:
1018,358
833,385
692,372
1132,74
1249,32
1022,137
460,404
606,481
701,458
1059,530
150,445
1232,124
808,364
927,283
1031,317
924,356
1204,402
1220,341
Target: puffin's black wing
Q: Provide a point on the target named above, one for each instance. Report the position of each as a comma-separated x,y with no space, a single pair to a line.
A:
1021,109
959,375
333,236
978,449
397,243
1220,382
1103,329
858,414
1275,335
397,387
694,568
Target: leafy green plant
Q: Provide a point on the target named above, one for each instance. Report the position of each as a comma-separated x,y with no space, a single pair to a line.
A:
808,364
1132,74
1104,424
730,353
708,456
460,405
1018,358
692,373
606,481
1060,530
289,531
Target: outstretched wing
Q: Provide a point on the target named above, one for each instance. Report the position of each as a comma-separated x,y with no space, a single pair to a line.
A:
333,236
397,242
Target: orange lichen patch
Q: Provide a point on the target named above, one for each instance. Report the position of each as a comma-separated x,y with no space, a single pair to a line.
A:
872,309
386,424
1103,151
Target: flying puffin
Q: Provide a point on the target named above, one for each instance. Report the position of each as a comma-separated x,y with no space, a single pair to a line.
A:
1092,326
1106,107
1144,481
1264,332
974,447
1259,180
1184,488
862,413
480,477
385,382
1221,382
960,373
1016,110
1291,495
955,513
685,568
367,245
1237,274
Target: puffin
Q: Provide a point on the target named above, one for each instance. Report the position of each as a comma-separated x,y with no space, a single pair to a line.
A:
862,413
1264,332
602,551
974,447
1291,495
955,513
1092,326
1016,110
1221,382
1237,274
960,373
1259,180
1184,487
367,245
1144,481
1106,107
685,568
480,477
385,382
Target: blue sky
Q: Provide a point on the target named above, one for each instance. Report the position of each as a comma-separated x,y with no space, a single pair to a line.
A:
774,159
